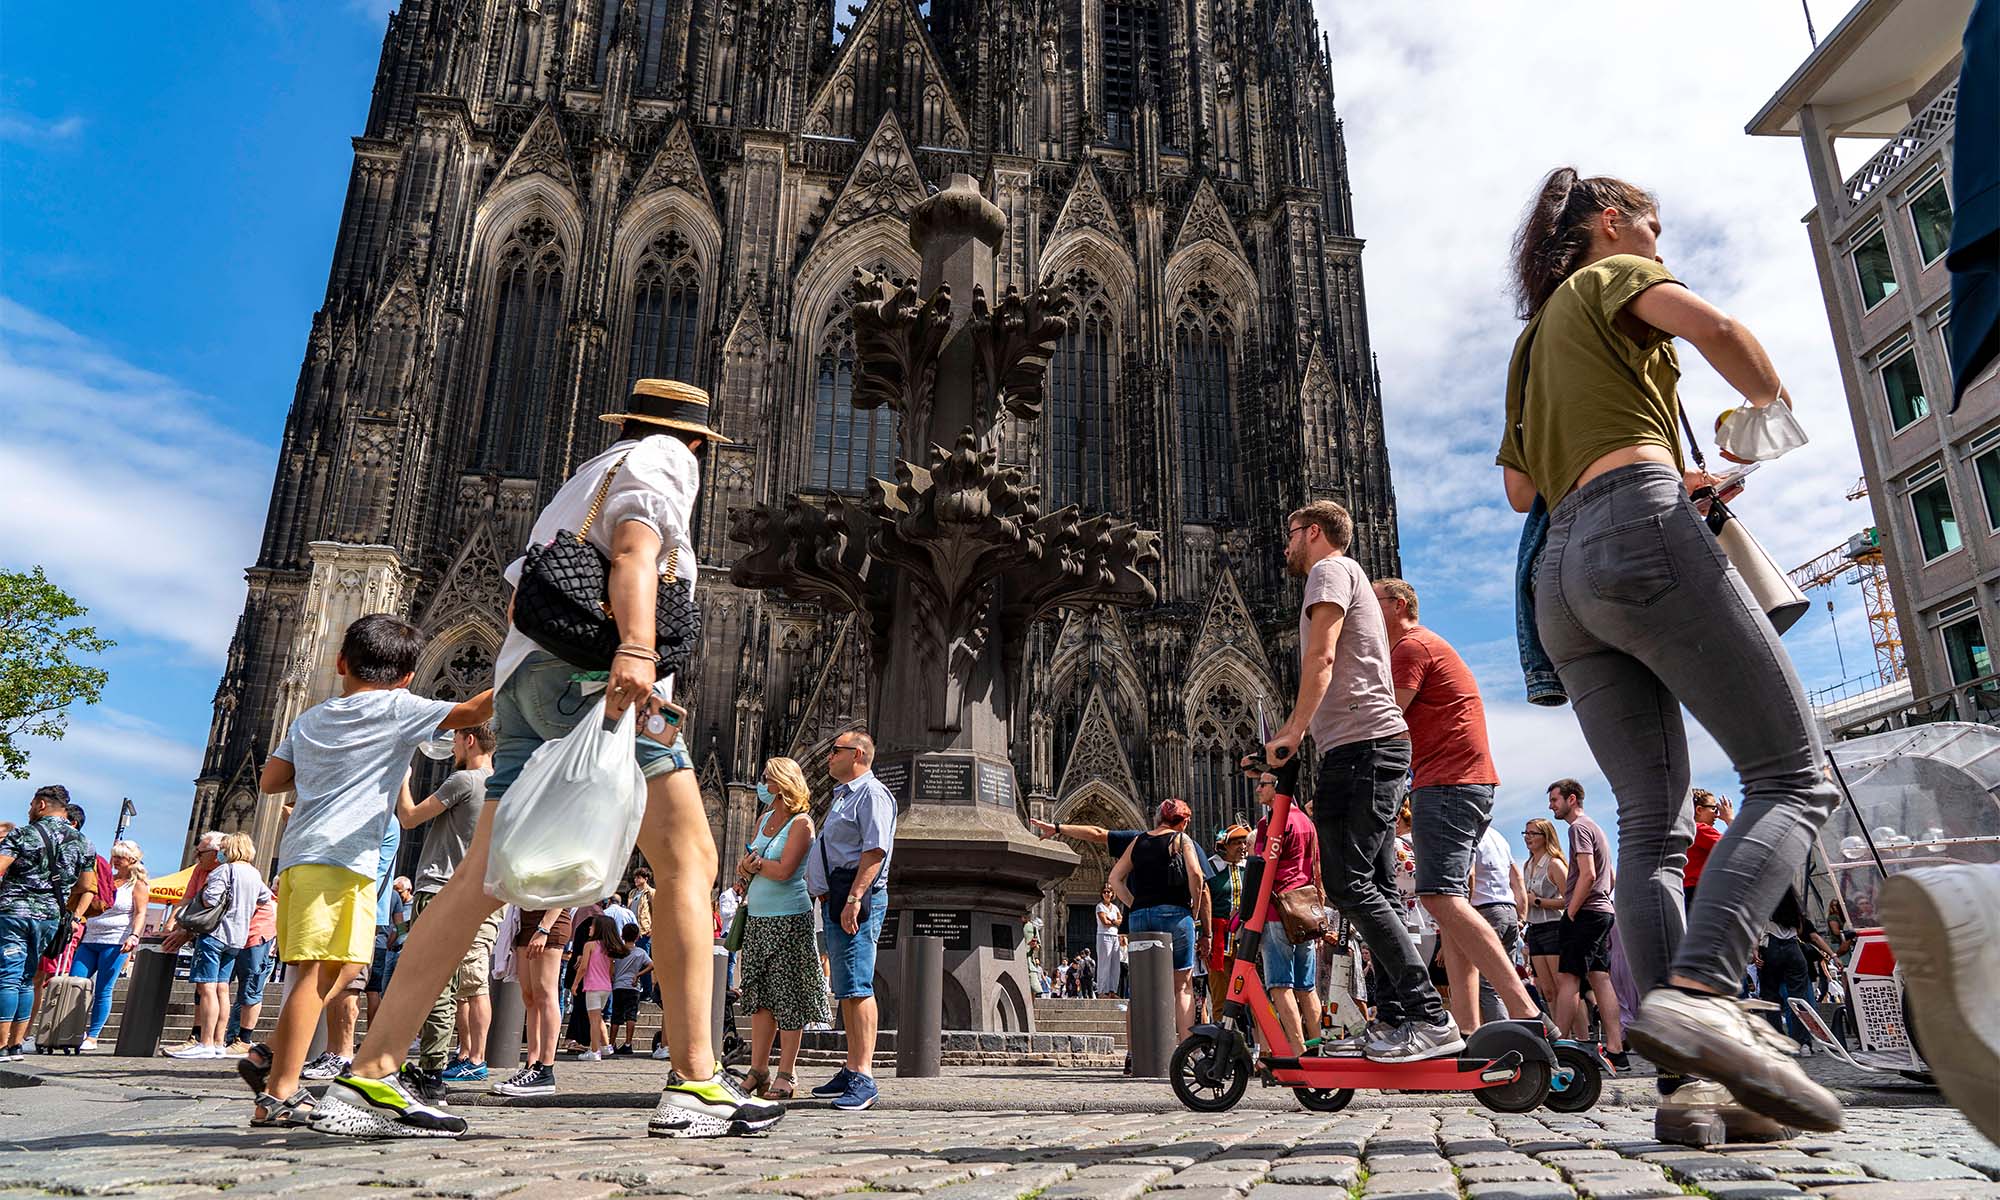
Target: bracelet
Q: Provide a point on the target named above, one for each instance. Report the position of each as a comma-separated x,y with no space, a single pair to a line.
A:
650,656
635,646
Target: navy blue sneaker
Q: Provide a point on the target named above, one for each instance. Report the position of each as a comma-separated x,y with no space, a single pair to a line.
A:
860,1093
835,1087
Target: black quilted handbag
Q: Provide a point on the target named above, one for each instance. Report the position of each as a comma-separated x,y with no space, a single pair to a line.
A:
563,601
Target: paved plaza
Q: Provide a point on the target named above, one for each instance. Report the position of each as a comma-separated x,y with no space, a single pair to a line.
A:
158,1129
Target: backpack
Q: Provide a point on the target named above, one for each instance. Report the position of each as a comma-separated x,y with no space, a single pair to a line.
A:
107,890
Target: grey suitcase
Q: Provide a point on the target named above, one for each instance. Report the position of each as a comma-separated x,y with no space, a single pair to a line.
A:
65,1016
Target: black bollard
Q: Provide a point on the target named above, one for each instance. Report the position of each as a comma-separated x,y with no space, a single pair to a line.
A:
920,1019
147,994
718,1002
1151,1031
504,1034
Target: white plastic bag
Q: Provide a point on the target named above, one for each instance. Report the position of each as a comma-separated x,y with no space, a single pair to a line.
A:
564,831
1749,434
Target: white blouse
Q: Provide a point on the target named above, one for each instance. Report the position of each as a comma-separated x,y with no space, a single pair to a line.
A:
114,924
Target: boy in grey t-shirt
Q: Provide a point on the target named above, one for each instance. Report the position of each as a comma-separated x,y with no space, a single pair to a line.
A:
1347,702
346,758
452,813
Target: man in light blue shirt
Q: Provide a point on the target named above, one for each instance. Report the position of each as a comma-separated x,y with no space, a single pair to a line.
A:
848,871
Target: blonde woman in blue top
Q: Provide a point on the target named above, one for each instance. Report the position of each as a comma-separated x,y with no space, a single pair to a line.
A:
778,967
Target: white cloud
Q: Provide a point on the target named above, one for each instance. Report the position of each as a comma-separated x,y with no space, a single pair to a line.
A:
23,128
124,487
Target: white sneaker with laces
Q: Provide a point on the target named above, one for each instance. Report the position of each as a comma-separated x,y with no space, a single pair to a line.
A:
194,1050
589,1056
1727,1040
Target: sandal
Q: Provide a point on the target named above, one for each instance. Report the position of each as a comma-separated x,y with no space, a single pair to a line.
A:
253,1072
781,1089
755,1080
273,1113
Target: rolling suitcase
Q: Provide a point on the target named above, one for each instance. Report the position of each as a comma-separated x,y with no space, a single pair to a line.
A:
65,1015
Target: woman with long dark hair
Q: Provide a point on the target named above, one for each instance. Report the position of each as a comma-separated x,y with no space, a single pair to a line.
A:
1641,613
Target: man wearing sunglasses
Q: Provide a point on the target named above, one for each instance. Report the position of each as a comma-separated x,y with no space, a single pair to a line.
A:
848,871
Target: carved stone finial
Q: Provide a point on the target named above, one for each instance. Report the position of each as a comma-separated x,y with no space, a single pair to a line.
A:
959,208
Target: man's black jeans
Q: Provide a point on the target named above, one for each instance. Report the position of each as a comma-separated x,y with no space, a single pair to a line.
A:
1359,790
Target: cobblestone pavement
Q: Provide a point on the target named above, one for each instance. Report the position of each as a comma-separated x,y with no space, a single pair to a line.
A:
108,1126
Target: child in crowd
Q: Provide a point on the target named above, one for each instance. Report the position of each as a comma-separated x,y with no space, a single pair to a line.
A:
346,760
591,989
630,977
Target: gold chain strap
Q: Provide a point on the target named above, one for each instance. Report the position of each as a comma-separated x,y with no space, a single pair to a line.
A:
672,573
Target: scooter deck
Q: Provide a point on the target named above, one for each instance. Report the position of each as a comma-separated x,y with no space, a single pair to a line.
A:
1419,1075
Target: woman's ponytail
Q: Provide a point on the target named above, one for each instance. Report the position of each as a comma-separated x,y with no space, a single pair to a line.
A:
1555,234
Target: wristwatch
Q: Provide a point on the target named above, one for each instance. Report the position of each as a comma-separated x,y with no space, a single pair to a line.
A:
854,899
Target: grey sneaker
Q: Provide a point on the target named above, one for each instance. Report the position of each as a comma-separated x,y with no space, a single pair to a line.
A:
1944,923
1355,1043
326,1066
1721,1038
1416,1040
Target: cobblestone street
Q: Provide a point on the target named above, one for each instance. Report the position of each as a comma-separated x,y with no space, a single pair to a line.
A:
109,1126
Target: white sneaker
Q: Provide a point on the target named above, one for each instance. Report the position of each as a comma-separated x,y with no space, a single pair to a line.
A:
1728,1041
662,1053
195,1050
588,1056
1944,924
88,1045
27,1045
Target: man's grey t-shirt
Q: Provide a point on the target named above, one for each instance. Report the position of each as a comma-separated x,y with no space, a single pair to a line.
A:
1360,702
449,834
1585,837
349,756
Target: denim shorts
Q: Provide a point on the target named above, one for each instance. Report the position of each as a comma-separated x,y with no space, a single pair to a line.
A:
1446,823
1287,965
851,956
1167,918
540,703
253,971
214,960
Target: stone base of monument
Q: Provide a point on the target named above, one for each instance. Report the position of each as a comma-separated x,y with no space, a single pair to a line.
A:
827,1048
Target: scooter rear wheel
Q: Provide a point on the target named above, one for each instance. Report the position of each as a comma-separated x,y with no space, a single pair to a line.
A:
1578,1081
1528,1090
1201,1080
1326,1100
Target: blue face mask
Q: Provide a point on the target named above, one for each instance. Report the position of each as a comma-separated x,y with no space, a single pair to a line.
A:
764,794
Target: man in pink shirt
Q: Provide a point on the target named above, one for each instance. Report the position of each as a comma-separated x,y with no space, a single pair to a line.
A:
1290,968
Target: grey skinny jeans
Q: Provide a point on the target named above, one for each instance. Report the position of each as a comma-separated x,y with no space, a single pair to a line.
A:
1642,613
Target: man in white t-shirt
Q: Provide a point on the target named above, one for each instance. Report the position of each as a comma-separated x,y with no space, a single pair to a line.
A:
1499,897
1347,701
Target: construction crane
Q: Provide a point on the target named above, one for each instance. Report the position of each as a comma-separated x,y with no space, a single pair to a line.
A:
1859,560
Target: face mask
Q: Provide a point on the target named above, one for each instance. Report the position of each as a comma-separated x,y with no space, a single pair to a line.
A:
764,794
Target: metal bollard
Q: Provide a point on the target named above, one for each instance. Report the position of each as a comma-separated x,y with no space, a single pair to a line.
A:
505,1034
919,1024
147,994
1150,1036
718,1001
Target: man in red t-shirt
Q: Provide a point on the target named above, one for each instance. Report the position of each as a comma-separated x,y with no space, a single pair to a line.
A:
1451,802
1706,809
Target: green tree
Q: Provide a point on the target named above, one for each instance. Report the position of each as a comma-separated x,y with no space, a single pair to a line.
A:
39,678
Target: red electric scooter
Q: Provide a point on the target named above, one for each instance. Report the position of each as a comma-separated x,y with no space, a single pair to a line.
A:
1508,1066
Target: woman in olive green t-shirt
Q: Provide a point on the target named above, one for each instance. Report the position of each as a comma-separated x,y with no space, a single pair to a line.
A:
1641,613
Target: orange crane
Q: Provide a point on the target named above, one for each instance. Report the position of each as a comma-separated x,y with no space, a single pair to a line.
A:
1859,560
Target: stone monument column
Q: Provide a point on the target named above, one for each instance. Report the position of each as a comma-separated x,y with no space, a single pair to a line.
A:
948,566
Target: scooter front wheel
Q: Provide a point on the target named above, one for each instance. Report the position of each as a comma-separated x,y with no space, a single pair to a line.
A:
1202,1079
1578,1081
1326,1100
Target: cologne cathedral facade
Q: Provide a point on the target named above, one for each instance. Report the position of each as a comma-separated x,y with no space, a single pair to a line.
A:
552,198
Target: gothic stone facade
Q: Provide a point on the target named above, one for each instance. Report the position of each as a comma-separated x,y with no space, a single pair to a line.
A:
553,197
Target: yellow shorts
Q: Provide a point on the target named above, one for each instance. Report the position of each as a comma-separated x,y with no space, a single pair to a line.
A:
325,914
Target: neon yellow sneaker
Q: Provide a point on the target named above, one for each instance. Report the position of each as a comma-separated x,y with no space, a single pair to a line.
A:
713,1107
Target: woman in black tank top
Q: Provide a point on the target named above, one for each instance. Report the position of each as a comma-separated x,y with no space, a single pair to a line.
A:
1160,877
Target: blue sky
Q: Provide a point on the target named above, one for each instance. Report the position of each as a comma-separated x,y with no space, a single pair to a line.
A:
174,173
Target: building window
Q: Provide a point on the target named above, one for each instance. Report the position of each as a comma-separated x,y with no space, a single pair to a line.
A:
666,312
1930,213
1905,388
1871,267
1965,650
1937,524
527,322
850,445
1079,418
1988,466
1131,59
1208,436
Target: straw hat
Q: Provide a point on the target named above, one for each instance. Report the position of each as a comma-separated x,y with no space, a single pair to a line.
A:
669,403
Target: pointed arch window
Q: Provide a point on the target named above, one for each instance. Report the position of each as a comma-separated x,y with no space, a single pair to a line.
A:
1202,385
666,312
650,28
1082,384
1218,791
526,332
850,446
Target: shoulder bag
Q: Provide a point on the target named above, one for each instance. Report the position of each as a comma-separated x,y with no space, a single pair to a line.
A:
1773,590
564,601
1302,911
198,918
